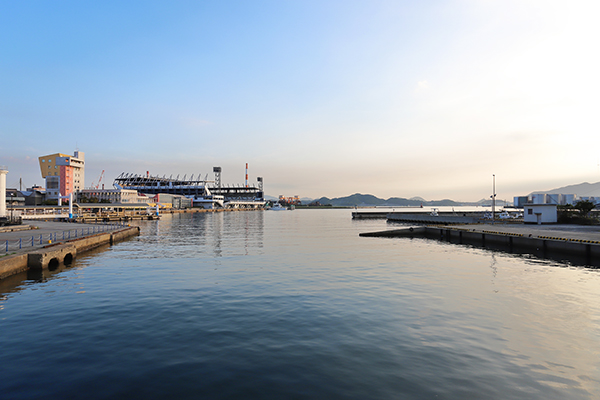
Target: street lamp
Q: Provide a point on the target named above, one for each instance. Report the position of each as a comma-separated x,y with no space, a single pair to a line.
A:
493,196
11,205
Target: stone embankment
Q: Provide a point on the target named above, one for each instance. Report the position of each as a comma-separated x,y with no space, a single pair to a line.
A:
581,241
52,255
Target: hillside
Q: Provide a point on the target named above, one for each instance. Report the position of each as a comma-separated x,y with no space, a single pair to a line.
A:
366,200
582,190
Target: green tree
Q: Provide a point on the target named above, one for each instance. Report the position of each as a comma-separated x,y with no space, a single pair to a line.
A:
584,207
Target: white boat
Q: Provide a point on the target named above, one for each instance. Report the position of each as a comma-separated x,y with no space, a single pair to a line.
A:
278,207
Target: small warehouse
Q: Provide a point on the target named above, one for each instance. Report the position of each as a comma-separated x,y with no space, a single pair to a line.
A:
540,214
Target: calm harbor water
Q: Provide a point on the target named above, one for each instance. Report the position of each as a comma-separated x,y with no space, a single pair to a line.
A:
294,305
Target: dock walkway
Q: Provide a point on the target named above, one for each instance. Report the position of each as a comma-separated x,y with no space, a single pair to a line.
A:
577,240
40,232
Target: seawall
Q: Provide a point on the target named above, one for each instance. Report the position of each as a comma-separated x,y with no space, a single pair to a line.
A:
581,244
61,253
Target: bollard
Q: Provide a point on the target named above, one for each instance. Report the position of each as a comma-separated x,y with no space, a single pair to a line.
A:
40,238
7,246
20,243
32,241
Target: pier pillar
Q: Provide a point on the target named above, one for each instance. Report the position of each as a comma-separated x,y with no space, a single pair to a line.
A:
3,172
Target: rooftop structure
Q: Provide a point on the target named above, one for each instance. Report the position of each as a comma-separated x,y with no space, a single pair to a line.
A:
64,174
211,193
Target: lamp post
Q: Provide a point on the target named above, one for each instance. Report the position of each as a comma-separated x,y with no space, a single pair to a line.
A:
11,205
494,198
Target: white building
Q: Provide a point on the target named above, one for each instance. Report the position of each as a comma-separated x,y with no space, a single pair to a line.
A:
110,196
540,214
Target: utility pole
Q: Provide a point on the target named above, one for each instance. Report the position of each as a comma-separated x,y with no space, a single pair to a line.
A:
494,198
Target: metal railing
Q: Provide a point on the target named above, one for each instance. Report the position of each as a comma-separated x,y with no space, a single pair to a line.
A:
58,236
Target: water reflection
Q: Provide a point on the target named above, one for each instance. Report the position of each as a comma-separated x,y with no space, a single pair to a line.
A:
296,305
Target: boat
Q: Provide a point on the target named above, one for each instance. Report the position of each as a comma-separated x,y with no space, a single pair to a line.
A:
278,207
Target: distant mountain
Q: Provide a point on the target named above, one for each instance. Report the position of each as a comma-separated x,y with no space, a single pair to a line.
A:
581,190
368,200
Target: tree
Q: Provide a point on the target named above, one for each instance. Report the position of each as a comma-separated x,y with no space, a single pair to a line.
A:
584,207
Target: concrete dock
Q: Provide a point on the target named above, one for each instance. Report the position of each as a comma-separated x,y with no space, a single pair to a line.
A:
47,246
423,217
580,241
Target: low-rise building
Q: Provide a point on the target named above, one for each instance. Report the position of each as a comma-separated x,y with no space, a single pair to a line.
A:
107,196
540,214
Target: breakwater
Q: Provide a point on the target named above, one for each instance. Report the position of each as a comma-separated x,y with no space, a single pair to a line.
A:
423,217
584,244
54,254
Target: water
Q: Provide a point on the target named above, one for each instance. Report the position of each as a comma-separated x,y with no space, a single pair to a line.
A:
294,305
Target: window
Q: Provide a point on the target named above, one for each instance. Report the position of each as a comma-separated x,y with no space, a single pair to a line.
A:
530,211
43,160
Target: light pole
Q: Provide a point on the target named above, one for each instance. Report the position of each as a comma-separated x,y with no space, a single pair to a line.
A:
494,198
11,205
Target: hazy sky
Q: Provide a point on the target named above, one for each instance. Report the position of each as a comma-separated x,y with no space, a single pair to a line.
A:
321,98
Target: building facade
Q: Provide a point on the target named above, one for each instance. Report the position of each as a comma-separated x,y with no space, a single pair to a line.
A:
540,214
110,196
64,174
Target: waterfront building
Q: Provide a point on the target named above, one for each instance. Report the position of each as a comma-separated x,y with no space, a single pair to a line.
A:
204,193
109,196
546,198
540,214
64,174
520,201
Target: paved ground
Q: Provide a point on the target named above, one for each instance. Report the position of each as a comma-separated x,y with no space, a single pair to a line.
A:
581,232
45,229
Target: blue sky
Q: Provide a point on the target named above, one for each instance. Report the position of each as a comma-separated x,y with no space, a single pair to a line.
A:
321,98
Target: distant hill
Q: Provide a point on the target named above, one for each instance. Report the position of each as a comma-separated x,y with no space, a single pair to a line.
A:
368,200
582,190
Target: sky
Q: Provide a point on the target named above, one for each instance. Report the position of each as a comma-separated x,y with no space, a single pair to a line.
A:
320,98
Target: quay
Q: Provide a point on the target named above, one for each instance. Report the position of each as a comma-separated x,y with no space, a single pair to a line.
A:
45,249
545,240
422,217
106,212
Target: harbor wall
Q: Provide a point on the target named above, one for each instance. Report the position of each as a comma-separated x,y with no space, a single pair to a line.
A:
586,250
60,253
13,264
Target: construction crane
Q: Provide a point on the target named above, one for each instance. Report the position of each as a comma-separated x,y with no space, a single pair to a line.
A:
99,180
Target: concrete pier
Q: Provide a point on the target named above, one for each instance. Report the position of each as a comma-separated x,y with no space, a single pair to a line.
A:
580,241
53,255
422,217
